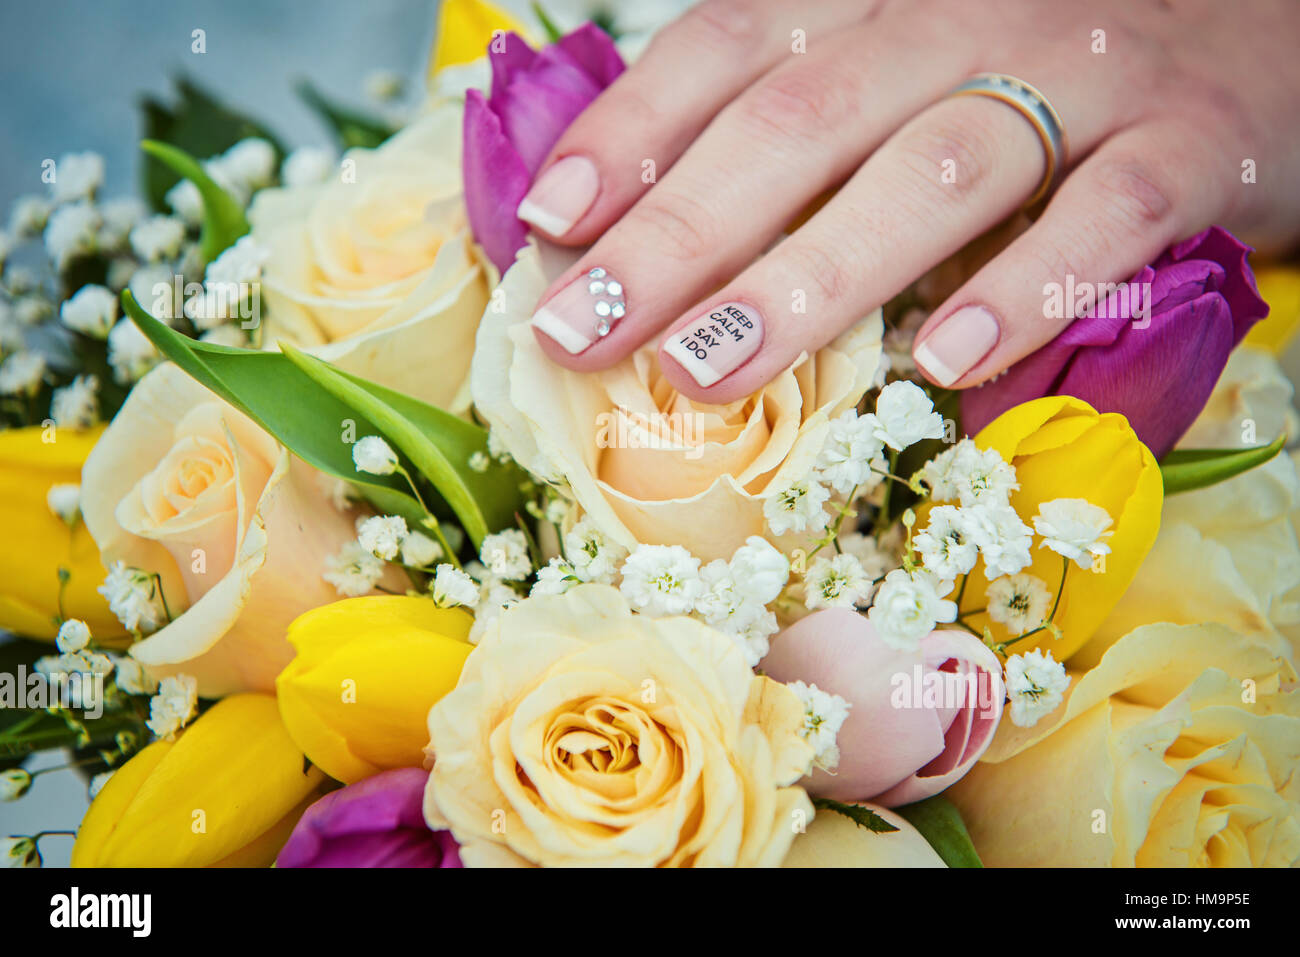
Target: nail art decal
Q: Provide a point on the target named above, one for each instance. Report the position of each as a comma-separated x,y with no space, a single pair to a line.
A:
584,311
717,343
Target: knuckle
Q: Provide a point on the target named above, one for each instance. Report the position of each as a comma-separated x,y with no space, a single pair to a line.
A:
800,104
678,226
827,271
960,148
727,25
1139,194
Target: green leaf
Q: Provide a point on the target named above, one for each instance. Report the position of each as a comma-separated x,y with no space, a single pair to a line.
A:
200,125
1184,470
941,825
859,815
438,443
553,33
223,217
351,127
282,399
305,402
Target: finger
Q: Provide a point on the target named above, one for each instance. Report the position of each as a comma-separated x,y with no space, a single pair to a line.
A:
1142,190
800,130
653,111
947,176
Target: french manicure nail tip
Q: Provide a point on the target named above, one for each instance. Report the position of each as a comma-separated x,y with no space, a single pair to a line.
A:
584,311
717,343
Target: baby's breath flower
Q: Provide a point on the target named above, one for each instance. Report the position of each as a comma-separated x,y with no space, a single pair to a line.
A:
28,217
119,217
506,555
130,352
1018,601
451,586
186,202
158,237
132,677
905,415
22,374
352,570
18,851
850,451
1003,539
760,569
662,580
74,634
419,550
373,455
877,558
381,535
1036,685
76,405
479,461
77,176
91,311
173,706
797,508
593,556
308,165
64,500
132,597
14,783
554,578
1074,528
838,582
824,714
72,231
907,607
250,163
947,545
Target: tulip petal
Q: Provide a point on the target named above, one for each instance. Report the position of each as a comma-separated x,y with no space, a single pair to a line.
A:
496,180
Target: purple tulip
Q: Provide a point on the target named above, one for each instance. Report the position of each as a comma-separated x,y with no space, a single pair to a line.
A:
378,822
1155,368
535,96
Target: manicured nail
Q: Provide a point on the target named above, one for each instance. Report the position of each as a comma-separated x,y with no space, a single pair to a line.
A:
717,343
958,345
561,195
583,311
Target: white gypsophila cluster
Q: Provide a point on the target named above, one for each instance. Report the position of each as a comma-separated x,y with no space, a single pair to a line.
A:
373,455
308,165
29,215
878,556
505,555
76,405
131,676
593,556
851,455
130,352
969,475
495,595
1003,539
64,500
824,715
1036,686
153,287
92,310
947,546
18,851
1074,528
352,570
158,237
905,415
31,310
118,217
240,264
382,535
249,165
661,580
554,578
173,706
186,202
1020,602
451,586
71,673
836,582
74,635
419,550
77,176
798,507
132,597
70,232
907,607
22,373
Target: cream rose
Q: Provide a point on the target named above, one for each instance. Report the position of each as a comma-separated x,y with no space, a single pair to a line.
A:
375,267
645,463
185,486
1177,749
582,734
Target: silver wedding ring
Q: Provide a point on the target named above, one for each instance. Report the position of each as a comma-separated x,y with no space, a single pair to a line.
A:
1034,107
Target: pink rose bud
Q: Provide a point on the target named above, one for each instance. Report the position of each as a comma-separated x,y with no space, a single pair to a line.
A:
918,721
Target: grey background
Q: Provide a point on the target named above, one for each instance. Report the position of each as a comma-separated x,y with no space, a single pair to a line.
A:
71,75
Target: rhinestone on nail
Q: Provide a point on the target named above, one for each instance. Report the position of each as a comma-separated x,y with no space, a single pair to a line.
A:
602,308
617,310
595,287
602,328
597,273
614,287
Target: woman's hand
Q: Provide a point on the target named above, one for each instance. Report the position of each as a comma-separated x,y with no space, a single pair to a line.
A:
744,112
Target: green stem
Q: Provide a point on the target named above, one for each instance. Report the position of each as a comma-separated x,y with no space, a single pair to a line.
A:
1065,569
432,523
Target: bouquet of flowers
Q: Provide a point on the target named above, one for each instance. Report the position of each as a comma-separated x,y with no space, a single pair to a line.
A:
341,570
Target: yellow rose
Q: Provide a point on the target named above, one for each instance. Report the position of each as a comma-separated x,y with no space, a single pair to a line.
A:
1178,749
833,840
375,267
187,487
356,698
226,793
583,734
1062,448
644,462
38,543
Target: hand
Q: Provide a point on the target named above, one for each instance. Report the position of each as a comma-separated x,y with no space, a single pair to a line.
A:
744,131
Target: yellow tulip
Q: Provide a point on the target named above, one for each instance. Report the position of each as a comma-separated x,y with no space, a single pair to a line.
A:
1279,286
1063,448
38,543
356,698
226,793
465,28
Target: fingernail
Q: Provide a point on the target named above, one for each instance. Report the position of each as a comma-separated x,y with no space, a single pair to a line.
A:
584,311
717,343
561,195
958,345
